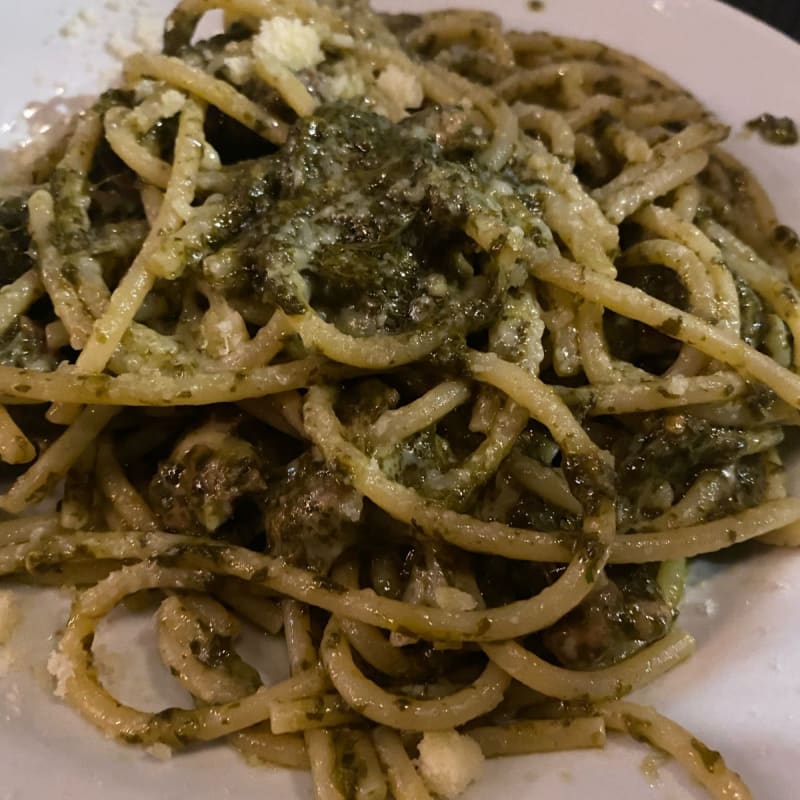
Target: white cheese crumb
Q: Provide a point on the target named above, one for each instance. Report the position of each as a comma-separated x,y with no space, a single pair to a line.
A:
159,751
516,237
76,26
502,188
342,41
145,88
344,84
168,105
677,385
13,702
9,616
451,599
436,285
120,47
290,42
60,667
240,68
403,88
710,607
147,33
172,101
449,762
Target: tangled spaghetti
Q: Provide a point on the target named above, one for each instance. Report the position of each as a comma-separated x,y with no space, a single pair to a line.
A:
435,349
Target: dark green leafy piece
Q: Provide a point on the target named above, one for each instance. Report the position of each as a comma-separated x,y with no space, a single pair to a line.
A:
775,130
15,241
369,221
676,452
620,616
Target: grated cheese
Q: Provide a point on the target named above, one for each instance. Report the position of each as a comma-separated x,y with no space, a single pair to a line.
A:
677,385
13,702
159,751
120,47
451,599
60,667
240,68
345,83
290,42
403,88
77,26
168,105
449,762
147,33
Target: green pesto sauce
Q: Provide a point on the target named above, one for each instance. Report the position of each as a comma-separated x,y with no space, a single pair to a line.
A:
787,238
775,130
15,255
363,219
711,758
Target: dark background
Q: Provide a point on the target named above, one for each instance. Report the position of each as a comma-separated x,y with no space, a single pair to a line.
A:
781,14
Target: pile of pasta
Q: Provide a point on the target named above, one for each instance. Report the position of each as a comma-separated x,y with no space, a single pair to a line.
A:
432,348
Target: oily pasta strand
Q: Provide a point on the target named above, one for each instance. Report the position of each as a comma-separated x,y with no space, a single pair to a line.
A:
432,349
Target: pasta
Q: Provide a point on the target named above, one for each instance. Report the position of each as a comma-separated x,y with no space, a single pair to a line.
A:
434,349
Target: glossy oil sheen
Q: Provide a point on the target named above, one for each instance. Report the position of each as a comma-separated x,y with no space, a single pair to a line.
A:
740,693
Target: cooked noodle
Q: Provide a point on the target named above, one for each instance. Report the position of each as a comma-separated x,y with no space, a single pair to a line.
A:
433,349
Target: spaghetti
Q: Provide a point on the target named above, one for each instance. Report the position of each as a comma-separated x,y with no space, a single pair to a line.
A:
432,348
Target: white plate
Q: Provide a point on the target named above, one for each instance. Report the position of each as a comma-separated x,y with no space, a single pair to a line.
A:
740,693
